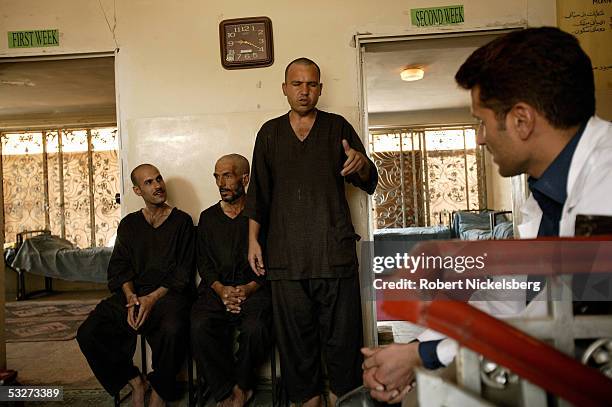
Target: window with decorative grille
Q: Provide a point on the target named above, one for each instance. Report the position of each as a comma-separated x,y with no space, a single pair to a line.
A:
425,174
63,180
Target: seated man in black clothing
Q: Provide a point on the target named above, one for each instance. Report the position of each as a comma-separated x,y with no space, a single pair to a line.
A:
230,295
149,275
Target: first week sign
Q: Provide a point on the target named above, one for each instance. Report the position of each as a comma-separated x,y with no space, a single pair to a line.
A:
33,38
436,16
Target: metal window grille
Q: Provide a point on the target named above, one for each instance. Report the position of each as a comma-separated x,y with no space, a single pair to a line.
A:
63,180
425,173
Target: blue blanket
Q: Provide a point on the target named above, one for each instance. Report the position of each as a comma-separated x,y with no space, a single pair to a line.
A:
52,256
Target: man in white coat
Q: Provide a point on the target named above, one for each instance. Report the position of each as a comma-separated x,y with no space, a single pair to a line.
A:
533,92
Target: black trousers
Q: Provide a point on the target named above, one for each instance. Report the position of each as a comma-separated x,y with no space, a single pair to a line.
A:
314,320
108,342
212,339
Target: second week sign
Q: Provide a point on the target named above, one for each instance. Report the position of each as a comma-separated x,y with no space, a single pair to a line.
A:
436,16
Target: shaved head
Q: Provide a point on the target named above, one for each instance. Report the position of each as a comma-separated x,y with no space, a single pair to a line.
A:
240,164
303,61
134,173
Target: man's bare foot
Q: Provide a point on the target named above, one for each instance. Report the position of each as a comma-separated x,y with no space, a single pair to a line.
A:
240,396
156,400
332,399
316,401
227,402
139,388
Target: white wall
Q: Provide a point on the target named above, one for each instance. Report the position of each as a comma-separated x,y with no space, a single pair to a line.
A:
179,109
81,25
499,189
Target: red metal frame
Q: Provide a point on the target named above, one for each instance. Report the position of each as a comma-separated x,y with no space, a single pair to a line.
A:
526,356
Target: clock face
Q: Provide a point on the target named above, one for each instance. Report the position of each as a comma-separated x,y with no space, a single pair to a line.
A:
246,43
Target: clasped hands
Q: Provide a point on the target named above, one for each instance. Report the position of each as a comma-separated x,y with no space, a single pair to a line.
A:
233,297
143,304
389,371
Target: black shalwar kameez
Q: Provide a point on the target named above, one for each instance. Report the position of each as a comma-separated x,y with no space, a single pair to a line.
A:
222,248
150,258
297,195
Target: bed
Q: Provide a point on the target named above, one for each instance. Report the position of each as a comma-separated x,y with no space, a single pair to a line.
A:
41,253
413,233
476,224
481,224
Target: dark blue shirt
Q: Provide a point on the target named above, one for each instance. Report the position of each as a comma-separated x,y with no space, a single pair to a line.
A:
550,190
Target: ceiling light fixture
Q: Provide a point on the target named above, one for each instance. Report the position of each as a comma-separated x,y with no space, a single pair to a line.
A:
412,74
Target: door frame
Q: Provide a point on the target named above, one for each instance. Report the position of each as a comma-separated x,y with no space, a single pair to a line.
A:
33,58
368,294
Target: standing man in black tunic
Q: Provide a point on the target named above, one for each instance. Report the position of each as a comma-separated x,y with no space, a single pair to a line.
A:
149,275
230,295
301,162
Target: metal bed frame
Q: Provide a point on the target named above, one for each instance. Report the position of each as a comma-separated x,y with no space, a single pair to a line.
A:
493,218
22,293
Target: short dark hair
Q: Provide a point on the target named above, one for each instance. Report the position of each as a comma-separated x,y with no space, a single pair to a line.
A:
135,170
544,67
303,61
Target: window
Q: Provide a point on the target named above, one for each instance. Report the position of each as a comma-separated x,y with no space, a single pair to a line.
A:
62,180
426,173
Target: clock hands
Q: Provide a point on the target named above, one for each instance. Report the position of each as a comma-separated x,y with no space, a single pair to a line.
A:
250,43
246,42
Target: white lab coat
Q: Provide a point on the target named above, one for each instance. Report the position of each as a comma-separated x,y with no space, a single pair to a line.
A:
589,182
589,192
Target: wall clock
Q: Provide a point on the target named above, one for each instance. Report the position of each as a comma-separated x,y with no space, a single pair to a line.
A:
246,42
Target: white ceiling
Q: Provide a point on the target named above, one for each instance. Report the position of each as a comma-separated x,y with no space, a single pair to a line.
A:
441,59
57,87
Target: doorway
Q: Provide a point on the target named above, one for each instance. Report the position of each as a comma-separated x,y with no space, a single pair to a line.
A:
60,173
422,138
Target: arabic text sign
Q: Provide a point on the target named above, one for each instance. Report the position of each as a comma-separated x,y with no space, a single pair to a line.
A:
591,23
582,22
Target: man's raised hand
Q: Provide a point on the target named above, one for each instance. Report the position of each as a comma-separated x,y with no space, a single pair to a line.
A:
355,162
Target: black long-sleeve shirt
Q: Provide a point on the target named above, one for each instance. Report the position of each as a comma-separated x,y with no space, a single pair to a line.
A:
298,196
153,257
222,249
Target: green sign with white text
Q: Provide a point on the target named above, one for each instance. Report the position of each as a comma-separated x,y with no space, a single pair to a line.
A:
436,16
33,39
